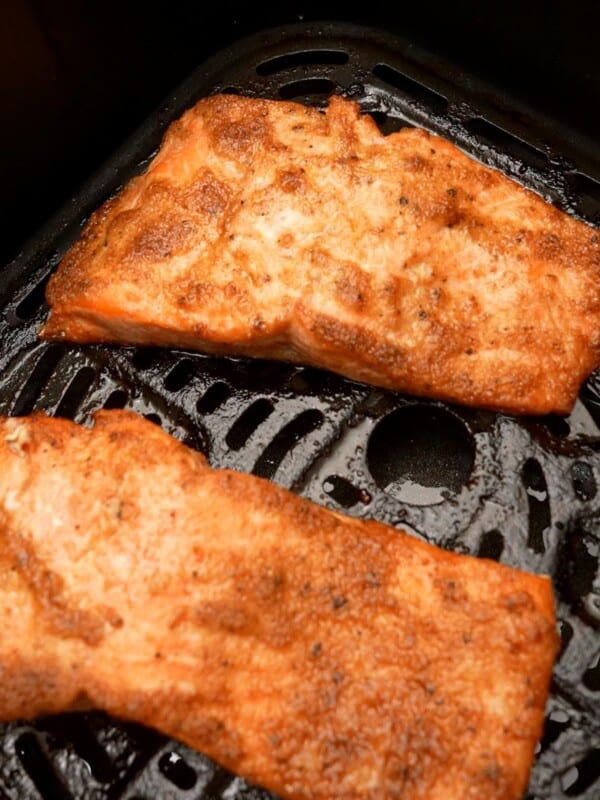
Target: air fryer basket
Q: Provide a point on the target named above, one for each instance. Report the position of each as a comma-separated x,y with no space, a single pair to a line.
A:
523,491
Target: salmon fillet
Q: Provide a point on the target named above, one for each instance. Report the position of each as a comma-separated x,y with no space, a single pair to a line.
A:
270,229
316,654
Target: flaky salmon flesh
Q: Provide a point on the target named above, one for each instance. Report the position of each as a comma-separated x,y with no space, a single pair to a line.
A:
269,229
318,655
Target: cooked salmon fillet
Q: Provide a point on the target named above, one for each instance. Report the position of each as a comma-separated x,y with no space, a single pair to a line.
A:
270,229
316,654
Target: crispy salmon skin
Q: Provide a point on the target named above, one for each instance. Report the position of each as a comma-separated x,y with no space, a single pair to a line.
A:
318,655
266,228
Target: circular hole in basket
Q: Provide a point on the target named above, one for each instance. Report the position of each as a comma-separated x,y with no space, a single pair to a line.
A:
421,454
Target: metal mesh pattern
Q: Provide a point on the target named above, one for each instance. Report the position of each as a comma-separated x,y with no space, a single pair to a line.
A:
522,491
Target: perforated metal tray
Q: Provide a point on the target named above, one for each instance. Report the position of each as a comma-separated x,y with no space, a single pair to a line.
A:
523,491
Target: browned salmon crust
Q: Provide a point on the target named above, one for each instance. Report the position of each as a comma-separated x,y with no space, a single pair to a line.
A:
316,654
266,228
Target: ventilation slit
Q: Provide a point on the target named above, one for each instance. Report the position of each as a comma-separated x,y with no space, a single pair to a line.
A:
88,748
40,769
588,186
309,380
344,493
579,778
577,579
307,90
504,141
591,677
590,395
557,425
305,423
588,191
116,399
37,380
539,507
583,479
388,124
243,428
221,782
491,545
301,59
145,357
565,630
213,397
180,375
556,723
32,302
411,87
176,770
75,393
230,90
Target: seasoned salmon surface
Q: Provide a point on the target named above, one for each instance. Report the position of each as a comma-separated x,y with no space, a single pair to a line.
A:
316,654
270,229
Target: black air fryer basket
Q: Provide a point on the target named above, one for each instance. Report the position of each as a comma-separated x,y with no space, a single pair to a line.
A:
524,491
